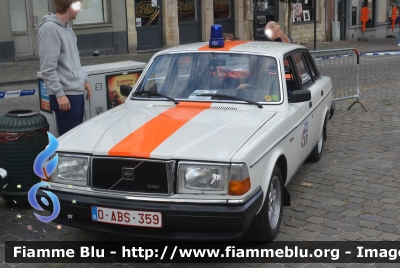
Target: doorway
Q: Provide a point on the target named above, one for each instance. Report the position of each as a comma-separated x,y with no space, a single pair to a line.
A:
342,18
149,24
224,15
26,16
264,12
189,20
371,6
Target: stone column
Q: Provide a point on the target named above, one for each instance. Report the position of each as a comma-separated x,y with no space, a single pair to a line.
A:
170,23
207,19
131,25
247,13
239,20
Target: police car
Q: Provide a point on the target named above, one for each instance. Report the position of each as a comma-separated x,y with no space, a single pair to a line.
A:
203,148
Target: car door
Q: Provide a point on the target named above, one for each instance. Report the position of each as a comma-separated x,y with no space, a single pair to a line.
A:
318,94
297,76
309,78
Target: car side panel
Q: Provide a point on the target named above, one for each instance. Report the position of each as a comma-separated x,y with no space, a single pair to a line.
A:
321,93
263,149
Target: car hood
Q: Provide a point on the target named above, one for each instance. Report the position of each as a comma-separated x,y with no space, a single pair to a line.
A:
192,131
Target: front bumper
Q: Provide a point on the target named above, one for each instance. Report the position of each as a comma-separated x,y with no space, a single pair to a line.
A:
181,221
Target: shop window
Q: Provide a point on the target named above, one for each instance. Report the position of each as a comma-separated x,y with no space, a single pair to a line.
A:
303,11
393,3
187,10
18,16
355,12
93,11
146,12
222,9
371,6
40,8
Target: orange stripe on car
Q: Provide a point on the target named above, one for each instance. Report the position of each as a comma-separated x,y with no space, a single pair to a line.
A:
148,137
228,45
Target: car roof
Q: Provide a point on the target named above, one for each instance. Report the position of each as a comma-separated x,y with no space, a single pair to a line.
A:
260,47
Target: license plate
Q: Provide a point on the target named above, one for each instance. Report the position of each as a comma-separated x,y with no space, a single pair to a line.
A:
127,217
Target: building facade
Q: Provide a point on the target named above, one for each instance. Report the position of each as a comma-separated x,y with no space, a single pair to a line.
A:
164,23
302,17
135,26
348,13
100,25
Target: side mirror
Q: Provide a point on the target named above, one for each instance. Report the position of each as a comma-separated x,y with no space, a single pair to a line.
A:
300,96
125,90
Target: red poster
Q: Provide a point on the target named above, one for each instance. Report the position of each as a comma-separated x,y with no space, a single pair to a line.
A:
114,97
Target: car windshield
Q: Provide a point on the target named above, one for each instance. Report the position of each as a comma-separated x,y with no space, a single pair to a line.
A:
190,75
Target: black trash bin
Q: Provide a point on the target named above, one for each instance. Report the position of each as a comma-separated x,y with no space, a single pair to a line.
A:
23,135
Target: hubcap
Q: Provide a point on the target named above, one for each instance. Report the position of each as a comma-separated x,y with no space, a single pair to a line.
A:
320,141
274,202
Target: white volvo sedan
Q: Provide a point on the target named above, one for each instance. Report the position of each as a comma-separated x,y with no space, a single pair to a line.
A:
203,148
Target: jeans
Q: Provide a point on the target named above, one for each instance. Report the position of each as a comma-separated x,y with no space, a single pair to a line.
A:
69,119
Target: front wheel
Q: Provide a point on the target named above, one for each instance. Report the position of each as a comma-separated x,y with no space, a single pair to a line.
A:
265,226
316,153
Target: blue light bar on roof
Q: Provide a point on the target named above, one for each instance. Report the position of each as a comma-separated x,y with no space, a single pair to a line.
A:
216,40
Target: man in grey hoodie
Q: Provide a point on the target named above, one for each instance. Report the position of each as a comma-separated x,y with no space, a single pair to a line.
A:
61,67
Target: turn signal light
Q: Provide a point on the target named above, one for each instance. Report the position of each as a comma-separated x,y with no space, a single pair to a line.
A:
239,187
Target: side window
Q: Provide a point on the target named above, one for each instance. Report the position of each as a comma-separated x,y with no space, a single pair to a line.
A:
157,76
303,69
312,65
289,75
184,68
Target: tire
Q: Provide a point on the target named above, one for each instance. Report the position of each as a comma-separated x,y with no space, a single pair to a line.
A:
265,225
316,153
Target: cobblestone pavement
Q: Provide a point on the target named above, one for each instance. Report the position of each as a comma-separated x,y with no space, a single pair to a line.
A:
351,194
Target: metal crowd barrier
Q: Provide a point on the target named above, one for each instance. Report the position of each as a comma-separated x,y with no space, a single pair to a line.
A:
343,66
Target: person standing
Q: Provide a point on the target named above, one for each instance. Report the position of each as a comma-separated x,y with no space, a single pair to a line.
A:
61,67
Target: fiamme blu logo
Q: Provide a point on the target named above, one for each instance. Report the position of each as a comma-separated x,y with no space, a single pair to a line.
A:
44,168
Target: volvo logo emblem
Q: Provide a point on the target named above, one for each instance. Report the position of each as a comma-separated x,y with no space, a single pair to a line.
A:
154,187
127,173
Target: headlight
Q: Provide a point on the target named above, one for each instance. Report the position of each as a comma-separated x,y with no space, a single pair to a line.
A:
71,170
209,178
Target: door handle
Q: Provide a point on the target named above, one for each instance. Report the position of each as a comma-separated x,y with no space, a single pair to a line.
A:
34,23
310,104
322,93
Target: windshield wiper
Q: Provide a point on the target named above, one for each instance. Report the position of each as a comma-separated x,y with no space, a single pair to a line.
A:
231,97
137,93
